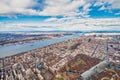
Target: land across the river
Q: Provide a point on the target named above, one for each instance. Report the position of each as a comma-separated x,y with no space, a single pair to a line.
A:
7,38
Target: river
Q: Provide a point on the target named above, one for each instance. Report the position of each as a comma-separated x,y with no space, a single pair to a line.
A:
12,49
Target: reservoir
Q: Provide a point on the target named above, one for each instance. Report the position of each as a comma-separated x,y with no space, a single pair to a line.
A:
12,49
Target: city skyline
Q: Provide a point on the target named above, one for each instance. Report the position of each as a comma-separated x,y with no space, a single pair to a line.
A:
54,15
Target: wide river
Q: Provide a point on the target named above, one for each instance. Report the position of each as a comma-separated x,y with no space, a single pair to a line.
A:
8,50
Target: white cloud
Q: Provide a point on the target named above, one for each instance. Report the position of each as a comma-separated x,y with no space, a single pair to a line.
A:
62,7
108,4
69,8
102,8
68,24
51,7
51,19
103,2
10,7
94,24
115,4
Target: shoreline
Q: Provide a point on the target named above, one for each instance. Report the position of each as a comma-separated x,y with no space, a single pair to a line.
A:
28,40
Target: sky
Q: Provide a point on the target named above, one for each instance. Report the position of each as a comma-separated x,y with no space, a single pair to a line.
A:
59,15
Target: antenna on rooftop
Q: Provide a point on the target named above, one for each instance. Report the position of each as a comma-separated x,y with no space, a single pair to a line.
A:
107,55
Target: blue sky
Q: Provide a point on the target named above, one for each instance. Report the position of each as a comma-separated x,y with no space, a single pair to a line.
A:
47,15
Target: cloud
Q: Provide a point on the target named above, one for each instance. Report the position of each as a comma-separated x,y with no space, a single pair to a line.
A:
11,7
69,24
115,4
108,4
51,20
93,24
48,8
62,7
65,8
102,8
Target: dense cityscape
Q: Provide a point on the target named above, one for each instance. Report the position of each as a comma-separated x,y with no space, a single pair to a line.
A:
67,60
